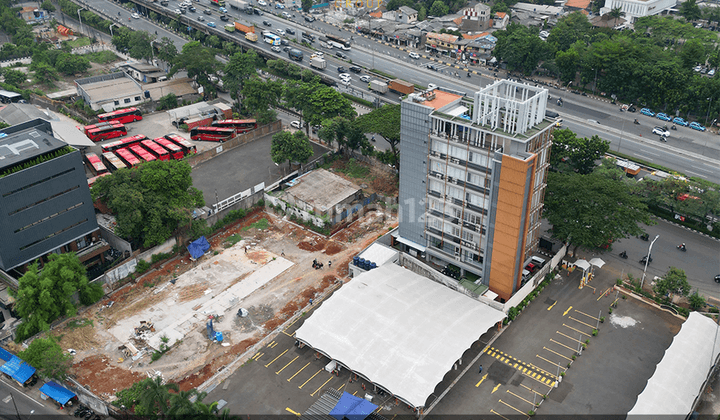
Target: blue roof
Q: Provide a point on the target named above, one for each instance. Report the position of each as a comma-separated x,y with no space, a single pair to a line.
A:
18,369
57,392
198,247
5,355
352,408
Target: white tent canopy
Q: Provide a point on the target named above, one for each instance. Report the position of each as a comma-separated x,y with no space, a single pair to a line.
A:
597,262
582,264
677,380
401,331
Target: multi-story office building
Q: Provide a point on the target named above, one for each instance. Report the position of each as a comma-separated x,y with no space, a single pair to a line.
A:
45,203
472,179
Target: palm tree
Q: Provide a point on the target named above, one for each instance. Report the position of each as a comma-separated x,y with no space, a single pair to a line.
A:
155,397
181,405
616,13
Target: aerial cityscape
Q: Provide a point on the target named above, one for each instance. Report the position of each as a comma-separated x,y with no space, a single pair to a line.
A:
359,209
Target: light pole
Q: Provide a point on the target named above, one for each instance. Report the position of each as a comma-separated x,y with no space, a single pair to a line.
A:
647,260
595,83
708,111
111,31
622,131
80,18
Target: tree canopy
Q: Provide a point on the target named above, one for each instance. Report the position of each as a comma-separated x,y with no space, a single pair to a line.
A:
674,282
384,121
579,154
46,355
150,201
291,147
199,62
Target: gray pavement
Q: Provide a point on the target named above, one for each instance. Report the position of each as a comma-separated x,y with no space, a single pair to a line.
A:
27,402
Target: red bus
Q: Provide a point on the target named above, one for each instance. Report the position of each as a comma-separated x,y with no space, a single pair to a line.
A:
187,147
112,161
240,126
109,132
91,181
125,116
87,128
127,157
122,143
96,165
176,151
212,133
141,153
155,149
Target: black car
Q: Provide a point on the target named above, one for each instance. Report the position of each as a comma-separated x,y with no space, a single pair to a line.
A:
340,54
284,42
207,12
286,49
431,67
290,31
224,18
266,23
341,69
717,278
192,8
355,69
258,12
309,19
164,2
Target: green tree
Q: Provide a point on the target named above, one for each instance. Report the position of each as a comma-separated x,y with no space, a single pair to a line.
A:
616,13
46,355
140,47
384,121
521,48
3,124
239,69
297,96
579,153
674,282
14,77
306,5
47,5
154,397
168,101
200,64
693,52
439,9
150,201
70,64
690,10
45,74
324,103
261,95
44,296
166,50
422,14
291,147
180,405
569,30
696,301
591,210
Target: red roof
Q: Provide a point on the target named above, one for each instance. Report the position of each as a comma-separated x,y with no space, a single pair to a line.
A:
579,4
501,15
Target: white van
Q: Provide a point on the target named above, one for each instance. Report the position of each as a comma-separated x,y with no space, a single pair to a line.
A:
537,261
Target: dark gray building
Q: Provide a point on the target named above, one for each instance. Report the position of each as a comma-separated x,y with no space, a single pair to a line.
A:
45,203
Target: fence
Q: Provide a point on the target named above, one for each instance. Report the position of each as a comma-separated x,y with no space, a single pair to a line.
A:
117,274
294,211
535,280
239,140
231,201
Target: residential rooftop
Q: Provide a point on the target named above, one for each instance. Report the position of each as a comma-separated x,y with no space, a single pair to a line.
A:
26,141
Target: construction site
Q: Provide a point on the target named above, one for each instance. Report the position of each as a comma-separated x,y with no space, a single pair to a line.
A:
187,320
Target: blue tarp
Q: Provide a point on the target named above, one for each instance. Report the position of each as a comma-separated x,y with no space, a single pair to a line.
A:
18,369
352,408
57,392
198,247
5,355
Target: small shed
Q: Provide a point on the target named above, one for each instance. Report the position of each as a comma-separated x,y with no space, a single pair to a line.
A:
322,192
17,369
57,393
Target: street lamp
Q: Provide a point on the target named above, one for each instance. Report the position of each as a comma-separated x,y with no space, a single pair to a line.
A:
111,31
80,18
647,260
708,111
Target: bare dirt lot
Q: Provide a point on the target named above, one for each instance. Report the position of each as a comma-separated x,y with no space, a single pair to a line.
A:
267,272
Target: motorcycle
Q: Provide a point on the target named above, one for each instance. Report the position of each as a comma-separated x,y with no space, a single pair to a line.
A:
673,127
468,75
682,248
645,237
636,122
644,260
663,139
623,255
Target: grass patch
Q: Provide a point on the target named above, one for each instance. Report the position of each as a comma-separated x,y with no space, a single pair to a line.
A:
260,224
102,57
382,73
358,100
80,42
79,323
232,240
354,169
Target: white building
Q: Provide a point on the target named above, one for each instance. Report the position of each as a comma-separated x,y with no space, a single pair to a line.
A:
638,8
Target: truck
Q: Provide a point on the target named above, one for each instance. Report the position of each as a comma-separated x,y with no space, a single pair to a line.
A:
401,86
230,27
295,54
238,4
378,86
249,31
219,3
318,63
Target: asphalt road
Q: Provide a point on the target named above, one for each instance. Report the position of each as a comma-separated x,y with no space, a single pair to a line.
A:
27,406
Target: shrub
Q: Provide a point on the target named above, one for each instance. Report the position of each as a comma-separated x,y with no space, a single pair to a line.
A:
91,294
160,257
142,266
594,332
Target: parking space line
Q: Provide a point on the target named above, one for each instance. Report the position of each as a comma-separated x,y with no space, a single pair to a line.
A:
495,412
300,387
521,366
519,397
553,305
481,380
301,369
289,363
291,411
567,336
321,386
549,361
271,362
553,351
270,344
561,344
584,323
576,330
521,412
603,294
589,316
541,370
543,380
341,387
530,389
258,356
566,312
289,335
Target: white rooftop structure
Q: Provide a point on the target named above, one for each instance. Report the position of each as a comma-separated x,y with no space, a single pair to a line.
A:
679,377
378,324
379,254
510,106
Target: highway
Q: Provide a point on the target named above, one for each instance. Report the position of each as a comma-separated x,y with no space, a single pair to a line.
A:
27,406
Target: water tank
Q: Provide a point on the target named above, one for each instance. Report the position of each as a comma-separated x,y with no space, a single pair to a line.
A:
356,261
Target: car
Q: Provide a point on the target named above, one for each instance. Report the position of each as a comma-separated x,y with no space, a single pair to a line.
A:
262,2
135,16
345,76
345,82
660,131
177,12
286,15
286,49
646,111
431,66
309,19
192,9
680,121
432,86
201,18
164,3
211,24
696,126
224,18
290,31
280,32
704,70
717,278
258,12
276,48
414,55
341,69
279,6
266,23
698,68
711,73
284,42
207,12
365,78
340,54
222,10
319,54
355,69
662,116
296,124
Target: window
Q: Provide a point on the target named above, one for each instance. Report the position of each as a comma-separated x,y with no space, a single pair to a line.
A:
137,98
117,102
127,100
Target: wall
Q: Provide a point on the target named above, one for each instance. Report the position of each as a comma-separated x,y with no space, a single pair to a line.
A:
535,280
290,210
164,248
115,241
56,106
245,203
235,142
118,273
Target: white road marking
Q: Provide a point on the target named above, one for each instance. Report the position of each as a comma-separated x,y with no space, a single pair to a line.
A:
644,157
22,393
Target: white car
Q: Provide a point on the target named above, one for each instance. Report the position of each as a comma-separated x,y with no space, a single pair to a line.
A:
432,86
711,73
280,32
661,131
319,54
286,15
296,124
698,68
414,55
135,16
262,3
201,18
365,78
345,76
177,12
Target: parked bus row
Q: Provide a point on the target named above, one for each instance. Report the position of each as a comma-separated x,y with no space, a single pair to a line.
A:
222,130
